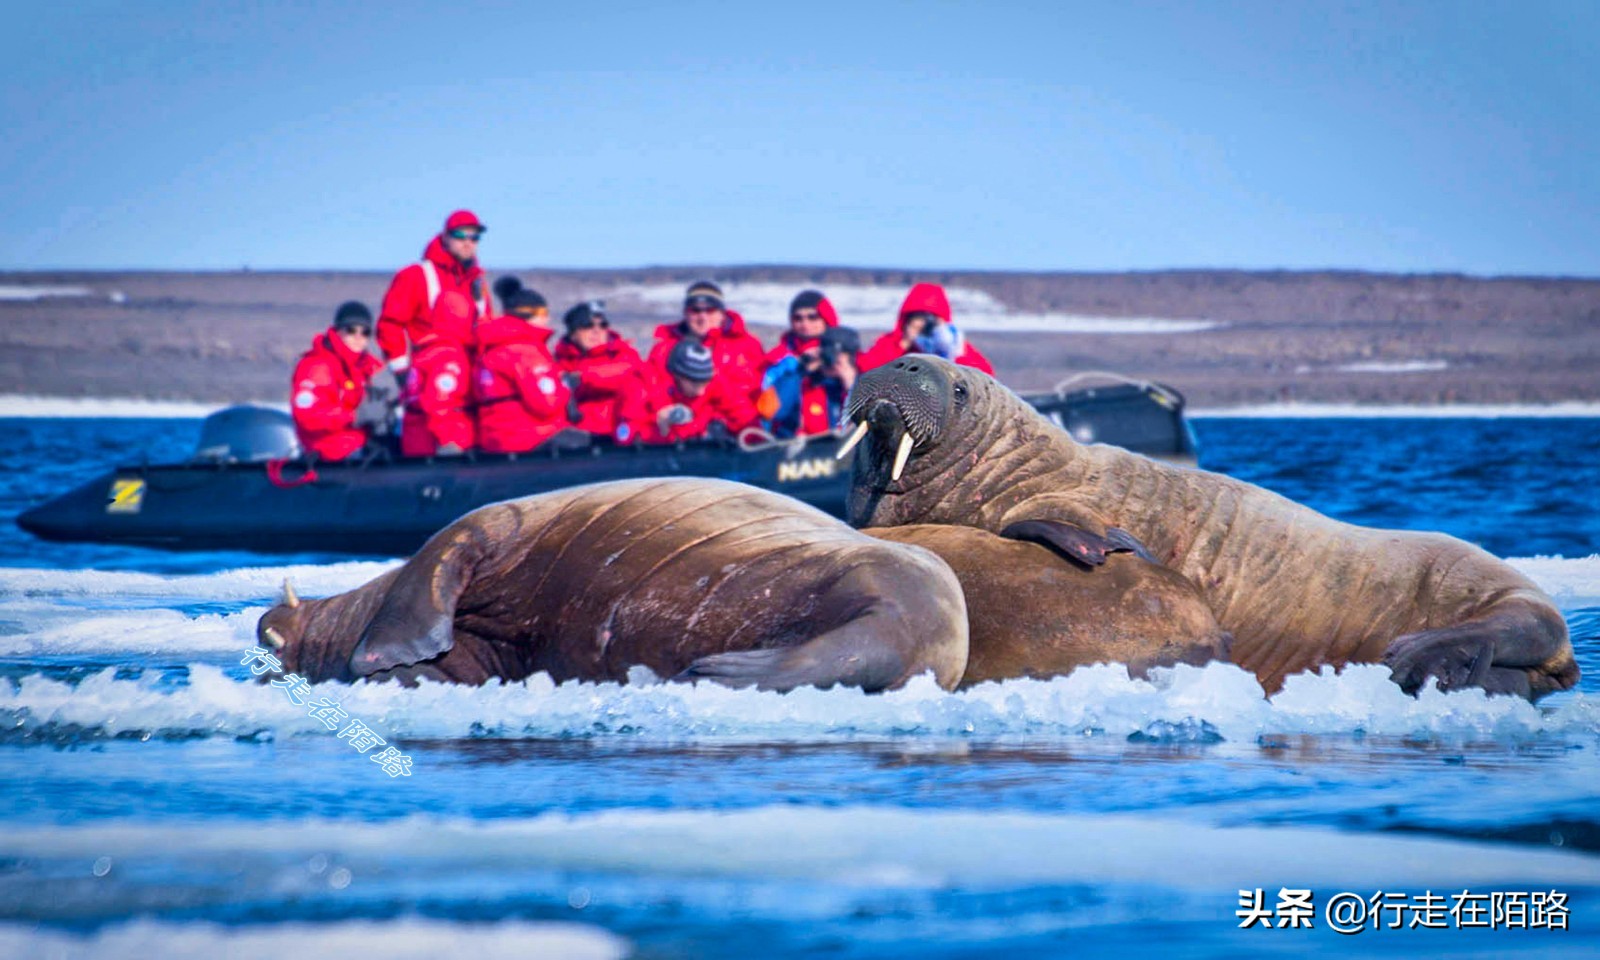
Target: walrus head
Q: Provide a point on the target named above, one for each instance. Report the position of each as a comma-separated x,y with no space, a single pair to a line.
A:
922,423
312,639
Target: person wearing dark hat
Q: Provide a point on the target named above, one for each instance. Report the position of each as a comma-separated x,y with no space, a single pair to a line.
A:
697,398
449,263
611,380
521,301
330,386
738,355
810,315
804,395
521,399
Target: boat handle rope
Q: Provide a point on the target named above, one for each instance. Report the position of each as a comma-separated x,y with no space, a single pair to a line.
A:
275,475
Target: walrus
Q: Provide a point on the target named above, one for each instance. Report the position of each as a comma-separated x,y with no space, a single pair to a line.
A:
1032,613
692,578
1296,589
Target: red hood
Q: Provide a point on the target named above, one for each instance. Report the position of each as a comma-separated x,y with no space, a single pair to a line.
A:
731,327
924,298
440,257
612,348
508,329
830,316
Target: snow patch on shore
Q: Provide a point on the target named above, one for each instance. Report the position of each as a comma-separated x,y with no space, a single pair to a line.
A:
875,307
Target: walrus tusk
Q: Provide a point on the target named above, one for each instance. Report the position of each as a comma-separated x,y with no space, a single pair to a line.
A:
274,638
288,594
901,455
850,444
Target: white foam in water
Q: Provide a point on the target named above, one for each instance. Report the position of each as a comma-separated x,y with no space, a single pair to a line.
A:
406,939
875,307
857,846
1311,411
244,583
19,405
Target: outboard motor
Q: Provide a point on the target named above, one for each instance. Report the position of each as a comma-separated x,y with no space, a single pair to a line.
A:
247,434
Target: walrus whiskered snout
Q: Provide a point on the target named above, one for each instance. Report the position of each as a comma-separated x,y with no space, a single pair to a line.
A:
903,405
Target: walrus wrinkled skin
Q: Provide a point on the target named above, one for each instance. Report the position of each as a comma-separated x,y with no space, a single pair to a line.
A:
1031,613
1295,588
692,578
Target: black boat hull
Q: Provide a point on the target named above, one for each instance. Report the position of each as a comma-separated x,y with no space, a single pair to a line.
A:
391,507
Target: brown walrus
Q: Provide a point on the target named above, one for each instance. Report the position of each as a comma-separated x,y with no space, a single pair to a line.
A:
690,577
947,444
1031,613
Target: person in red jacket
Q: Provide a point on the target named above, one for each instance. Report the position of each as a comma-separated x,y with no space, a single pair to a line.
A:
738,355
924,326
438,387
332,413
613,383
522,399
697,399
810,316
450,263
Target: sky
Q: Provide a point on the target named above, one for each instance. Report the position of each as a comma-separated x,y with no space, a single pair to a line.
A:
1392,136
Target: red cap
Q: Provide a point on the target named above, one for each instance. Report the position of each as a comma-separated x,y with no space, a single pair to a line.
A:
463,218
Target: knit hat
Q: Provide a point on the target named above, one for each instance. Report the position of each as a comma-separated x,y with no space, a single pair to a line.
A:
352,314
461,219
691,360
583,314
703,293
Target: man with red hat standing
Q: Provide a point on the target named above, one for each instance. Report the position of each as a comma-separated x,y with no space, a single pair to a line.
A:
450,263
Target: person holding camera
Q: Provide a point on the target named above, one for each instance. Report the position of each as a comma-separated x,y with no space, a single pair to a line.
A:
803,394
697,401
925,326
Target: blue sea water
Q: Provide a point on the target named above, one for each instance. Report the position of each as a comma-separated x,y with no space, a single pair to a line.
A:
158,803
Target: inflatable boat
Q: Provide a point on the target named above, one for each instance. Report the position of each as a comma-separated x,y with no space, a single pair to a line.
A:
248,487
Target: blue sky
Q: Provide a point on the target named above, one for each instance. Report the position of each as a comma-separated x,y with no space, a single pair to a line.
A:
1447,136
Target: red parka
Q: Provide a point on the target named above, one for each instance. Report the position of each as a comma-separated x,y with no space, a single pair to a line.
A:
923,298
790,345
738,356
613,398
438,385
730,406
330,381
406,306
520,398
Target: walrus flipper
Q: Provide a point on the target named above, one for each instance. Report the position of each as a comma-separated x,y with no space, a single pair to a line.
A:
416,620
841,656
1521,648
1074,542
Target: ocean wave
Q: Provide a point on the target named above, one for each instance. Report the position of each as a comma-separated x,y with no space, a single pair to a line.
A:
1465,411
1218,701
243,583
862,846
405,939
